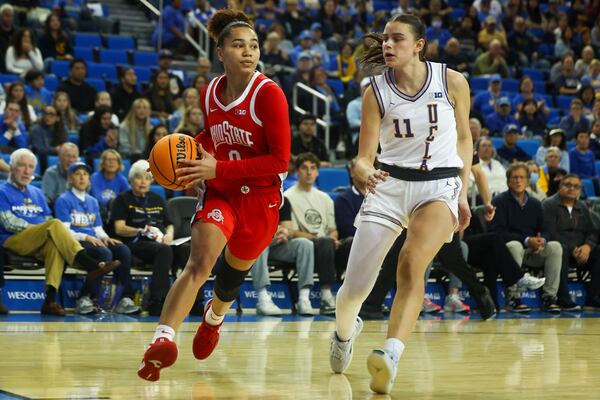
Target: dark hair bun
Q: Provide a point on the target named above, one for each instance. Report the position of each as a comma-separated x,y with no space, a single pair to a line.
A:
222,18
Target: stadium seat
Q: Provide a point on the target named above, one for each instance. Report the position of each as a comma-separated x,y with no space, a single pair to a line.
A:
266,23
180,211
52,160
8,78
497,141
87,39
479,83
510,85
333,195
458,13
382,5
331,178
110,56
549,100
588,188
73,138
85,53
159,190
529,145
145,58
120,43
337,86
102,71
51,83
143,73
534,74
539,87
60,68
553,117
564,102
98,84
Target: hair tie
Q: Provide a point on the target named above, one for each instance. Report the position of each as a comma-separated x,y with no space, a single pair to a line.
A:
231,25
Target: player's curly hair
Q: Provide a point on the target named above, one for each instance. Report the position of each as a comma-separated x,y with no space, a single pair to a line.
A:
223,21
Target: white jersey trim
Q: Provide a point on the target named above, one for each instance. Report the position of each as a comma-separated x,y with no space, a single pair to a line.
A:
237,101
253,100
207,97
390,78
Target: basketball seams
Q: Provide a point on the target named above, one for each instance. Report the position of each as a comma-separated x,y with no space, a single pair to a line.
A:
171,184
156,166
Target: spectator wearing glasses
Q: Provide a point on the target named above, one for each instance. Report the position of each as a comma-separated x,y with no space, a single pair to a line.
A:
520,222
569,222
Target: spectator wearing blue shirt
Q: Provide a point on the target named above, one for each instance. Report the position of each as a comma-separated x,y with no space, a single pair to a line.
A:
437,32
581,158
307,45
80,214
510,152
108,182
485,102
497,120
37,95
575,122
173,27
28,229
12,132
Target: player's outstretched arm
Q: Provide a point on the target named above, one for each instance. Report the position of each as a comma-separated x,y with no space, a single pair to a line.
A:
368,142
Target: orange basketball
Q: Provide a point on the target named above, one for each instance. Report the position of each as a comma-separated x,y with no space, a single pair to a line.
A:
165,156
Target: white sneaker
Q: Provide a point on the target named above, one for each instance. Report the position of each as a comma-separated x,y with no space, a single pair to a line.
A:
303,307
383,371
85,306
528,282
268,308
455,304
127,306
340,353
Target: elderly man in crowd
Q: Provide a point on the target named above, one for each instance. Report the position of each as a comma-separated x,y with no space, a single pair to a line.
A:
28,229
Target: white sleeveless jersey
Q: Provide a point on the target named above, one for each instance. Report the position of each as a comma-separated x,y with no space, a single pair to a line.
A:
417,131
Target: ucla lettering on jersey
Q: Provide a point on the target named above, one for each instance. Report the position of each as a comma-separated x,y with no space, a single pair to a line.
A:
417,131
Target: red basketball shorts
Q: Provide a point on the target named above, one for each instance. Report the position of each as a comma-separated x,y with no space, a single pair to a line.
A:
248,220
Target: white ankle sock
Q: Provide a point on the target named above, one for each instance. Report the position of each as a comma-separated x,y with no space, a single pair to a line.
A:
304,294
326,294
394,347
263,294
212,318
164,331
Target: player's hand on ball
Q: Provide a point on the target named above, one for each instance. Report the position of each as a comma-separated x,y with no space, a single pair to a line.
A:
464,215
374,178
195,171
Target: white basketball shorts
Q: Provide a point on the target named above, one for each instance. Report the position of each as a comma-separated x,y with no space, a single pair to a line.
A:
395,200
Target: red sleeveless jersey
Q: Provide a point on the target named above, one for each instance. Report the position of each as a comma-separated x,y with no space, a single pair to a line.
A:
250,137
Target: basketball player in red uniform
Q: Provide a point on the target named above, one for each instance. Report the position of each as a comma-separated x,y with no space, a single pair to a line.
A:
245,151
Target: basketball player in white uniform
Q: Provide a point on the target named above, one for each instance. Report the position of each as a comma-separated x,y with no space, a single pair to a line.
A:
418,111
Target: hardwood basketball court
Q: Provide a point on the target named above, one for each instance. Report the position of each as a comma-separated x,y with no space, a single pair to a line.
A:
511,357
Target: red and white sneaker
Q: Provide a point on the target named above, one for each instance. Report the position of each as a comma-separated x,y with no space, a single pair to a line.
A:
207,336
160,354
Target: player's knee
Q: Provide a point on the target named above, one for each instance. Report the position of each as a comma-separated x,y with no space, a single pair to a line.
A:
228,281
199,266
